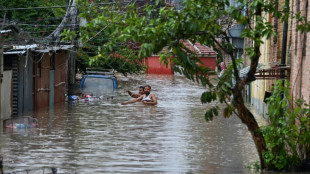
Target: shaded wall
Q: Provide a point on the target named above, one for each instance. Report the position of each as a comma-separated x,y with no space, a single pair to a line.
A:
60,77
42,81
6,95
25,85
49,70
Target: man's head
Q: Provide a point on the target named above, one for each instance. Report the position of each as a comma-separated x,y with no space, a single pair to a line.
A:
141,90
147,89
223,65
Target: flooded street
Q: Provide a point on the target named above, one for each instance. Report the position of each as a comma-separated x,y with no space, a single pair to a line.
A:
107,137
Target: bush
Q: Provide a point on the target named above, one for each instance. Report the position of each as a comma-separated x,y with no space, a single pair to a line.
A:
288,135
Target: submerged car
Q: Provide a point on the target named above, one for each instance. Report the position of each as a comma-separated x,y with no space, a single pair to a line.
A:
98,82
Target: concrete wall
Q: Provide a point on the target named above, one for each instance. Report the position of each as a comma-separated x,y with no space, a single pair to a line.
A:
260,107
260,86
6,95
271,52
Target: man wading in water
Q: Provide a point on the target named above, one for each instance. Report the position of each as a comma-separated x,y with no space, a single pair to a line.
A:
147,98
141,92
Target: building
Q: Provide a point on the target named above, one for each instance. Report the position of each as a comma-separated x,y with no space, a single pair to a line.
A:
286,53
204,53
299,53
34,77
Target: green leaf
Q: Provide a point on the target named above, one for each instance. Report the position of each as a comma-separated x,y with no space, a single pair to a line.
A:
209,116
215,111
206,97
303,119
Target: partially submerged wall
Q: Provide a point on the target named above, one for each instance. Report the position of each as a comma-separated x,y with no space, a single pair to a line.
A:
6,95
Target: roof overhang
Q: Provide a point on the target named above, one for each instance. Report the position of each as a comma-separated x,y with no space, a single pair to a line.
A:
14,52
21,49
207,55
4,31
24,47
48,49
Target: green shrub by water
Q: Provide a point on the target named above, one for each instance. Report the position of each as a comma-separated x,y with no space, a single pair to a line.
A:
288,135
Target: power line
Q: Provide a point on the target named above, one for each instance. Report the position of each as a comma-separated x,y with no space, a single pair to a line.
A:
39,25
33,8
63,6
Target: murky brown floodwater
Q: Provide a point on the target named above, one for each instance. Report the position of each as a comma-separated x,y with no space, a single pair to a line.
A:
106,137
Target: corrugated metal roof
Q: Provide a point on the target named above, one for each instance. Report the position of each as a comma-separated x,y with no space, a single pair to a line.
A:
15,52
5,31
245,70
61,47
23,47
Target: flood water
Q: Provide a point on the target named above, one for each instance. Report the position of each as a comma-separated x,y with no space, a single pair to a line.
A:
107,137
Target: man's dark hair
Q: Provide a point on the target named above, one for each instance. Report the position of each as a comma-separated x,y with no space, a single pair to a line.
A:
147,86
142,87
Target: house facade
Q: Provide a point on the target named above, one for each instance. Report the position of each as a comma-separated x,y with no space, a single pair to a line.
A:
270,61
33,78
287,53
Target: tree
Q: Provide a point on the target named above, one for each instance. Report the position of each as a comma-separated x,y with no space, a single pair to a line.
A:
165,28
95,33
38,22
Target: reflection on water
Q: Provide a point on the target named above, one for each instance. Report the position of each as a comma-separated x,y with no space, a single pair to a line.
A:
107,137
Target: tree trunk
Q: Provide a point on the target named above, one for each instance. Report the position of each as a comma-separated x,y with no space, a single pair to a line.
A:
248,119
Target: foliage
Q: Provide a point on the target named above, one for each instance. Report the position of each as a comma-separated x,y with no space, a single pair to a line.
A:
285,140
99,49
255,166
38,22
129,64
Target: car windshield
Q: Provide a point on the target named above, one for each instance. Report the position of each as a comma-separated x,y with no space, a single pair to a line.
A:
97,86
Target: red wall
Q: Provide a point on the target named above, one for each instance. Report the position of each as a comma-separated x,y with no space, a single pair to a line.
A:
209,62
154,66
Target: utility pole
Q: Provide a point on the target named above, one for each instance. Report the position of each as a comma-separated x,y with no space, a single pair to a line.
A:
72,58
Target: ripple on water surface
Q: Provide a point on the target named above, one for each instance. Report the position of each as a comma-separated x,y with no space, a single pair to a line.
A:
107,137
